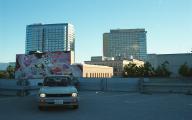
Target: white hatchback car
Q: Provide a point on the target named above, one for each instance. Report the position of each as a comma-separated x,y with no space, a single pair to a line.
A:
58,91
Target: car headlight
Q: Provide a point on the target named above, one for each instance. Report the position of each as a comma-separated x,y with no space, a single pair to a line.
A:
74,94
42,95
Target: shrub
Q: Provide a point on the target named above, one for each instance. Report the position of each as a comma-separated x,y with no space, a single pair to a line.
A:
132,70
185,71
162,70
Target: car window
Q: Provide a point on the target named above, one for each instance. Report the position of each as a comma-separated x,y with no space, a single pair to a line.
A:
57,81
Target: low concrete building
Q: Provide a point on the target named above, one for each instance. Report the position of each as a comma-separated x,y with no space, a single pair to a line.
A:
118,65
174,60
97,71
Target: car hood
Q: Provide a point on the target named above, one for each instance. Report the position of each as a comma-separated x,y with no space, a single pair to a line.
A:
58,90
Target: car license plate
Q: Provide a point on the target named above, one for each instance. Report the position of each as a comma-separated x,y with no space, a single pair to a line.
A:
58,102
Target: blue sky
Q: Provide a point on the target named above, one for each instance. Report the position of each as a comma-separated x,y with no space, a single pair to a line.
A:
168,23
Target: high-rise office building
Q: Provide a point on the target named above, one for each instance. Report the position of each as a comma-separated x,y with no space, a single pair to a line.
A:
50,37
125,43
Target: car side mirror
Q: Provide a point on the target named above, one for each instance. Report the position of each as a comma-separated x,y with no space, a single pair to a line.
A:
40,84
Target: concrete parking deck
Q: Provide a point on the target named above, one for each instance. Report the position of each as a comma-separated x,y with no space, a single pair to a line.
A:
103,106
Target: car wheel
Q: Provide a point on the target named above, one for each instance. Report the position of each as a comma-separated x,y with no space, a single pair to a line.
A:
75,106
41,108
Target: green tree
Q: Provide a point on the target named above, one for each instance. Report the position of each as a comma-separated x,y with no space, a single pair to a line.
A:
184,70
148,70
130,70
190,72
11,71
162,70
140,71
4,74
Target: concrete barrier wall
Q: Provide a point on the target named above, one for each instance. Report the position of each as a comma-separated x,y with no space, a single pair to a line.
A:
34,82
18,87
90,84
8,87
109,84
168,85
122,84
164,88
5,82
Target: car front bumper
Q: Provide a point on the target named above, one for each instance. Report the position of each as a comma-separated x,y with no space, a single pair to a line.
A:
54,101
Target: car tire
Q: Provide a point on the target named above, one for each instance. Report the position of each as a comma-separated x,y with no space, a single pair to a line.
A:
41,108
75,106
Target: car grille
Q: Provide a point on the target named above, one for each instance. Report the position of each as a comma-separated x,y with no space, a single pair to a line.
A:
58,95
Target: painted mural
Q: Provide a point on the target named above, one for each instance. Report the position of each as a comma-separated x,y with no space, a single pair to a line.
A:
39,65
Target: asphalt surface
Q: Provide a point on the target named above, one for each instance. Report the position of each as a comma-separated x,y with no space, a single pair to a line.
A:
103,106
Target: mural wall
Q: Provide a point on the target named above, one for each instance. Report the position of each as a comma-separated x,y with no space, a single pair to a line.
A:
39,65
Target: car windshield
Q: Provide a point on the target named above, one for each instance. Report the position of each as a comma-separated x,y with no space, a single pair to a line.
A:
57,81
